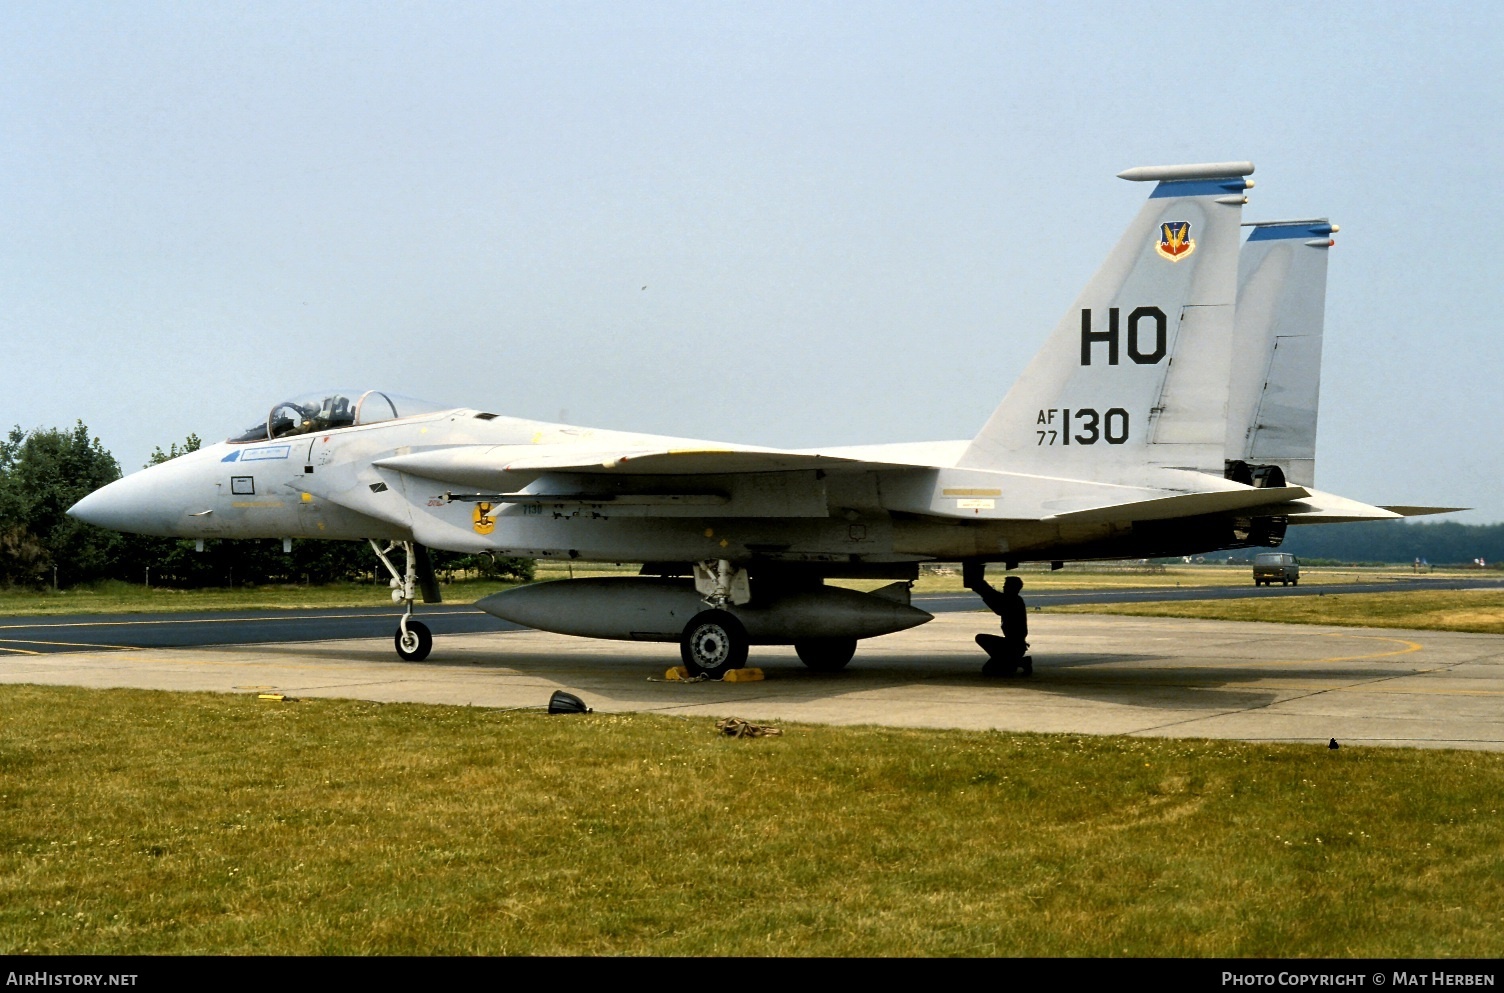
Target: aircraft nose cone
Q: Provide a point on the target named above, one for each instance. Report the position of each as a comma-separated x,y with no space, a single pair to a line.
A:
124,505
106,507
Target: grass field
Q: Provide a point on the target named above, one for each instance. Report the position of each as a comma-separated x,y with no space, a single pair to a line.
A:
118,597
1481,611
138,822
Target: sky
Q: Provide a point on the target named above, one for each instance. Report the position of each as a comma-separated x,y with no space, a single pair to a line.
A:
789,224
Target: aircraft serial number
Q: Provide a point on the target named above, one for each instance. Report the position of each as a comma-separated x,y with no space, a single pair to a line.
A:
1082,426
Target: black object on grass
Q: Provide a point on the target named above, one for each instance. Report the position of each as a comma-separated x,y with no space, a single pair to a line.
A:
566,703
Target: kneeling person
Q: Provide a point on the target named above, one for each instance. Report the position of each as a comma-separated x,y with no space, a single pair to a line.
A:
1005,655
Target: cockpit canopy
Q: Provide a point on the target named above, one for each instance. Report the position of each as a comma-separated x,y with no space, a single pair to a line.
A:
329,409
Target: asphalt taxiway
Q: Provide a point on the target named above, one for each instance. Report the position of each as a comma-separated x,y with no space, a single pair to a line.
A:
85,632
1093,675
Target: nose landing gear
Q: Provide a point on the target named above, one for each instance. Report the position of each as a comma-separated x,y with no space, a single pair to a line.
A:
413,639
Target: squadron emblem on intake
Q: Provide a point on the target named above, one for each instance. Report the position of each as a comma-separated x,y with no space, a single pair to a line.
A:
1175,241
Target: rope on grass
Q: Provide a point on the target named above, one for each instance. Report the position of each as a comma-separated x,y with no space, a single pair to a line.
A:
735,727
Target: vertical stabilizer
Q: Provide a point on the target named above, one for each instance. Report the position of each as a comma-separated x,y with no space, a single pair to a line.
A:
1277,347
1137,372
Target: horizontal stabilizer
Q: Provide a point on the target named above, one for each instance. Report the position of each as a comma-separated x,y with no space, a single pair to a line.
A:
1425,511
1187,505
1329,508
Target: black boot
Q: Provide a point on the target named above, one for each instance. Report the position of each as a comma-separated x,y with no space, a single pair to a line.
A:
997,667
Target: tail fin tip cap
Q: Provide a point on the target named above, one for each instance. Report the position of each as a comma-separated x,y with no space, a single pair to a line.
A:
1204,170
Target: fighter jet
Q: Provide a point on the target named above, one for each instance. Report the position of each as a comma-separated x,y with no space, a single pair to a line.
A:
1172,411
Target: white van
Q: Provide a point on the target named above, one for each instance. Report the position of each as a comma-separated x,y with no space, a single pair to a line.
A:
1269,566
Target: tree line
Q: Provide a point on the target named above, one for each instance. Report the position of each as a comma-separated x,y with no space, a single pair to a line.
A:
45,471
1435,542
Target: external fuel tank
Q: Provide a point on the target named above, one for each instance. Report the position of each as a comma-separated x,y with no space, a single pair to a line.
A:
634,608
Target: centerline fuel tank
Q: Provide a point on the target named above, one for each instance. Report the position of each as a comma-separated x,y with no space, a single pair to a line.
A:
631,608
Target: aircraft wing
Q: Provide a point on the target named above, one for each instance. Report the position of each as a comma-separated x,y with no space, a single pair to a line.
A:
500,466
695,462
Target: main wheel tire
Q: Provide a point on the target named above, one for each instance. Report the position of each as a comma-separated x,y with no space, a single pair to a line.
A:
417,644
714,642
826,654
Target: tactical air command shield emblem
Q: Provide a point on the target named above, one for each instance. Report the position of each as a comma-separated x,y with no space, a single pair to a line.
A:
1175,241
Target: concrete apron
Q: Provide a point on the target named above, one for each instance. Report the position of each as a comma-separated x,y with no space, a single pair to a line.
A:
1093,675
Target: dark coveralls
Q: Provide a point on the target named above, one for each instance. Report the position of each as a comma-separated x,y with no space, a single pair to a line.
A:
1005,654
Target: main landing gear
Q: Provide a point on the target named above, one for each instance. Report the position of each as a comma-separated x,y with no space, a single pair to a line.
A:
714,642
413,639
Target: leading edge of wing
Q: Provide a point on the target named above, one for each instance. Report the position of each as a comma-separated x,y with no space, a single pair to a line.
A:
487,464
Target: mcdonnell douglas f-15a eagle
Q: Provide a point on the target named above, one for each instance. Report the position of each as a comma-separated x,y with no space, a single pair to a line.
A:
1171,412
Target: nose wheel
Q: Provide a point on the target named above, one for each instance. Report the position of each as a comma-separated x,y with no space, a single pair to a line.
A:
414,641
